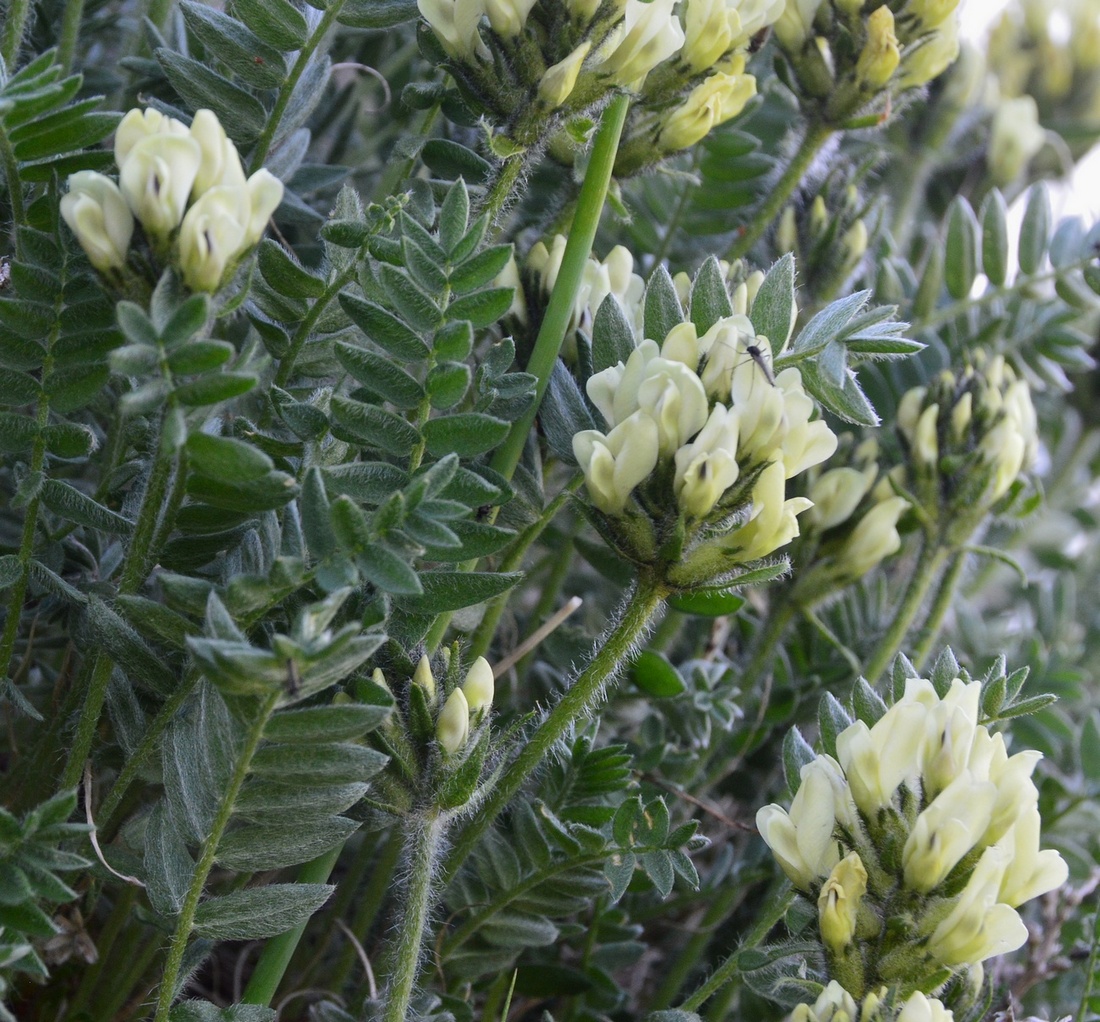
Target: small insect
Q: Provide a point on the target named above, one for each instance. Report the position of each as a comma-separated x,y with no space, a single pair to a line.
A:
758,357
483,512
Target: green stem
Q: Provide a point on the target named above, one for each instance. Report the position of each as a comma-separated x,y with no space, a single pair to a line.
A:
206,863
732,965
423,838
817,134
559,310
611,652
286,364
11,36
135,763
115,998
14,186
119,917
930,631
757,676
691,955
496,200
70,32
278,951
378,887
483,634
134,571
673,225
964,305
26,550
286,90
930,562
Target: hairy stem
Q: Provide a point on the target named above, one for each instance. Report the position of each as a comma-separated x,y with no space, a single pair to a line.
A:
483,634
301,335
933,624
930,562
206,863
611,652
278,951
134,571
776,908
286,90
423,837
70,32
14,187
11,35
590,204
499,194
817,134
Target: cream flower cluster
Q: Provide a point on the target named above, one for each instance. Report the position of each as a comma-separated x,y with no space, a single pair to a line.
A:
187,189
986,413
705,411
698,45
898,46
835,1004
930,782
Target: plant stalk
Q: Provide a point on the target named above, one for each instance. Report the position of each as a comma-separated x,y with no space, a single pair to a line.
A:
729,969
817,134
551,335
945,595
286,90
423,839
11,36
930,562
70,32
278,951
611,652
206,863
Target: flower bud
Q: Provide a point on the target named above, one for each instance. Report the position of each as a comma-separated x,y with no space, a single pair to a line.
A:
380,679
453,727
156,178
478,687
838,904
98,215
931,14
880,56
715,101
559,80
926,447
834,1004
614,464
424,678
220,163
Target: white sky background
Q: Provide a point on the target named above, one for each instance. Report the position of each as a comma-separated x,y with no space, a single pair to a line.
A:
1078,197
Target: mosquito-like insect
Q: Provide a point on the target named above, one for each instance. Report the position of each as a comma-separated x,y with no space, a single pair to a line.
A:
758,357
757,354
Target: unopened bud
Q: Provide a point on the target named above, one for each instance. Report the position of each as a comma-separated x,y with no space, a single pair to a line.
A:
423,677
880,56
838,904
453,727
559,80
479,687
